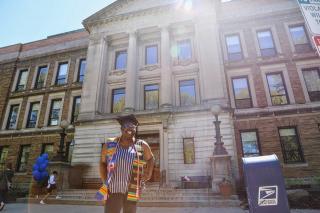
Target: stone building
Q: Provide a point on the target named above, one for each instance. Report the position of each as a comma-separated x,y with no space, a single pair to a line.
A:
153,59
170,63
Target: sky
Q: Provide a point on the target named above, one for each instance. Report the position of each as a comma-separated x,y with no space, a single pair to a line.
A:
24,21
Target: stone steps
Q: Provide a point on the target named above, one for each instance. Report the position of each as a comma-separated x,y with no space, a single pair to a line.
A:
151,197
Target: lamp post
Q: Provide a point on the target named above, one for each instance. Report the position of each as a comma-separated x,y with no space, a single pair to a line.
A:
60,154
219,149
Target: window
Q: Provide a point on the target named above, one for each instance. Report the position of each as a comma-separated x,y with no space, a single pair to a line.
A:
13,115
3,156
118,100
266,43
22,80
82,70
234,47
188,151
54,112
187,92
250,143
33,114
121,60
241,92
277,89
290,145
23,158
151,96
312,79
299,38
75,108
47,148
151,54
62,73
41,77
184,50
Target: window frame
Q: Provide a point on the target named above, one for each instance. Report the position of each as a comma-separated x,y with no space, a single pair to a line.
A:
303,70
37,77
308,44
58,72
146,54
43,148
112,97
179,42
74,107
20,158
241,47
29,114
145,95
19,79
249,89
285,88
258,140
51,108
184,143
273,42
195,91
2,164
300,150
9,117
117,53
79,68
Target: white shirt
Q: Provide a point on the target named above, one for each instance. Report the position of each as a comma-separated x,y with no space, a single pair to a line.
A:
52,180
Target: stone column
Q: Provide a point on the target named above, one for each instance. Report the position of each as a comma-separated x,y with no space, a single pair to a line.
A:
213,84
166,78
94,78
131,73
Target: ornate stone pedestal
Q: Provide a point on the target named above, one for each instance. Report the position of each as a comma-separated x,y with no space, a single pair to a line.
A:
221,168
63,169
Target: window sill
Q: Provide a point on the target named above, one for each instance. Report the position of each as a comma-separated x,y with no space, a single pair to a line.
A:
150,67
117,72
294,165
186,62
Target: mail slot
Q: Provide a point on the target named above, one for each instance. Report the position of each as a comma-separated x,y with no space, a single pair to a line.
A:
265,185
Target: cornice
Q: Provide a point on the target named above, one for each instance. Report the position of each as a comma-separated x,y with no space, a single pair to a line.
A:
126,16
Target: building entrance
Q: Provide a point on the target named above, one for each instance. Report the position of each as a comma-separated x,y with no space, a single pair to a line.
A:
154,142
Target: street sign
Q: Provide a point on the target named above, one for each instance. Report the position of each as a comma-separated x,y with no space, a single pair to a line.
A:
311,12
316,40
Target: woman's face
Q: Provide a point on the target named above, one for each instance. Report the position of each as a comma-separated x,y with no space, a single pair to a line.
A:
128,129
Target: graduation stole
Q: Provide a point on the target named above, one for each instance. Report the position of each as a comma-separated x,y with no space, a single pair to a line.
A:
136,174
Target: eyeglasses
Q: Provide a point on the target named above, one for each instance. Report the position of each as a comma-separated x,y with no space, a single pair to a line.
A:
128,126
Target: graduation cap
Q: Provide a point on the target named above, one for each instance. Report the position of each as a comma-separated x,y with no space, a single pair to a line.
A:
127,119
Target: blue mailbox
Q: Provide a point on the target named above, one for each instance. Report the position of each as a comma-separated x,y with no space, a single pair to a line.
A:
265,185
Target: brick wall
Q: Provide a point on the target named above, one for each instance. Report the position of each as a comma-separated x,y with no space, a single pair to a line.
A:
40,135
6,73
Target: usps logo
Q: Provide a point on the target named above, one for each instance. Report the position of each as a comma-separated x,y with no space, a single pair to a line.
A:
268,196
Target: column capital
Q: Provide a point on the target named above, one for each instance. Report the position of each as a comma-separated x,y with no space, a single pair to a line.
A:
164,27
132,33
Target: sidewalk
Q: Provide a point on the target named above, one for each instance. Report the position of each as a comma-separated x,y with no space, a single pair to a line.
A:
37,208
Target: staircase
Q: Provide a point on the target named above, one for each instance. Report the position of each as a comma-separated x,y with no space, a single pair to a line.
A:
153,196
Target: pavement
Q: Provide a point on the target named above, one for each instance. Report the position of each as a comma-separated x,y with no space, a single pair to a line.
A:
38,208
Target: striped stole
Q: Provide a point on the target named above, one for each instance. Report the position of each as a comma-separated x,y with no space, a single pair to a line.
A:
134,188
